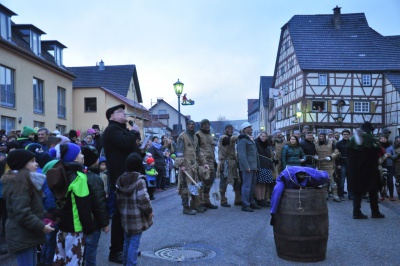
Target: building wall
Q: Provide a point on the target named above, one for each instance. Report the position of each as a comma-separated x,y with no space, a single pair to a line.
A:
25,69
173,114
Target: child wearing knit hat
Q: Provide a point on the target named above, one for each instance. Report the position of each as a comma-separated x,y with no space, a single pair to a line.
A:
25,228
73,224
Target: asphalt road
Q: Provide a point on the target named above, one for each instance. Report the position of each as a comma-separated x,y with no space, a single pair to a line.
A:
228,236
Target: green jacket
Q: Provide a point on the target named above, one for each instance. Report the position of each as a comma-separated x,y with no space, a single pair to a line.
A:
25,212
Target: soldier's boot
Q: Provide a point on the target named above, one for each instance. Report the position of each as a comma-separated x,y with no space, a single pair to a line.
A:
335,194
207,202
224,200
238,198
186,208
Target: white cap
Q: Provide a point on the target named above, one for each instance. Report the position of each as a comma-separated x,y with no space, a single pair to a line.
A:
56,132
244,125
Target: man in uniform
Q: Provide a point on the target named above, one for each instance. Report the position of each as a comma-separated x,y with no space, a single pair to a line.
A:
327,154
207,147
279,142
188,158
227,166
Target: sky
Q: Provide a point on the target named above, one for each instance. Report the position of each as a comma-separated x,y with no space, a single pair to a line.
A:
217,48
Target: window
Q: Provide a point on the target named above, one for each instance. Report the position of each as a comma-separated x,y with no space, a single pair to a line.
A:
61,107
291,64
7,123
366,80
62,129
282,70
5,26
162,112
38,100
38,124
7,87
58,55
35,43
361,107
279,115
318,106
90,104
323,79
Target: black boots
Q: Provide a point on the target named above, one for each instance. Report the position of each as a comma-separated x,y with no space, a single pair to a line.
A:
359,215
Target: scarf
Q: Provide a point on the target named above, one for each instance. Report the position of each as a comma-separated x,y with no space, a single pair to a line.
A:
156,145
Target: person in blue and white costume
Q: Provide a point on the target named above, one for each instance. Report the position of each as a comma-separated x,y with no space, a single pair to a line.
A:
294,177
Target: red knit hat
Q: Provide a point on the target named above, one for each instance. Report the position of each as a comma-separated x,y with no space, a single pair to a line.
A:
150,160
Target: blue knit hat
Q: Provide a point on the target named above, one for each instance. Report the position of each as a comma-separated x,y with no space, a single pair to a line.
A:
68,152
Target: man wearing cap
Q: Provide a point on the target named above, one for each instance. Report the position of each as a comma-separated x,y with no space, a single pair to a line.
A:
207,147
249,164
27,137
227,166
118,143
188,158
362,169
97,138
327,154
342,147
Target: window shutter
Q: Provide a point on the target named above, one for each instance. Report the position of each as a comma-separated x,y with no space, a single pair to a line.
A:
351,106
329,107
372,107
309,108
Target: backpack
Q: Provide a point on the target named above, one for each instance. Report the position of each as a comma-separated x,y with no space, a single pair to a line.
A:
57,182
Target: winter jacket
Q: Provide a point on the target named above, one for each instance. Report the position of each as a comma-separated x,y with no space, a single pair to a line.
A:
25,212
291,155
308,148
158,156
75,212
362,167
207,147
264,153
247,153
118,143
342,147
134,203
288,179
97,198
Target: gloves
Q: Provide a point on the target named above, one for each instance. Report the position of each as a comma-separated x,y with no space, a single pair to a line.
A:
272,221
328,158
130,122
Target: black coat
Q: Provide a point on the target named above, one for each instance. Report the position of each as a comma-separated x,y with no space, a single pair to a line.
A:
118,143
309,149
97,198
362,169
98,140
264,152
158,156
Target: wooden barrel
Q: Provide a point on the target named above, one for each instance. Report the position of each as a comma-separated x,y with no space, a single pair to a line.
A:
302,226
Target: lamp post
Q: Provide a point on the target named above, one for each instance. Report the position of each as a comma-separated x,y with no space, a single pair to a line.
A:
178,88
298,114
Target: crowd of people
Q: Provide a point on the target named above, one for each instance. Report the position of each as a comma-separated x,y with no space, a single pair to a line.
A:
59,192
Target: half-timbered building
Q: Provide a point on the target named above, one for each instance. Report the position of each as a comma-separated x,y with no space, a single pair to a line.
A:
336,72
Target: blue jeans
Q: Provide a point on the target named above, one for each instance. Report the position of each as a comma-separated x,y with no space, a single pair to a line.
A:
49,248
131,247
248,185
91,244
27,257
343,176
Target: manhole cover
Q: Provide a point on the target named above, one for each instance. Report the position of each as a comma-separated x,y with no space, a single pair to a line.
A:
184,253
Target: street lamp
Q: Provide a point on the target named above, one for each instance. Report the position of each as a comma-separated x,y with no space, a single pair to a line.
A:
178,88
298,114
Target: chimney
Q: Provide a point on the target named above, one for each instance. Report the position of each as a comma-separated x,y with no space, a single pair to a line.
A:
101,65
336,17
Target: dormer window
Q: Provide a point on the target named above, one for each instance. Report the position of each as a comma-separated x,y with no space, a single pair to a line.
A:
5,22
32,35
54,48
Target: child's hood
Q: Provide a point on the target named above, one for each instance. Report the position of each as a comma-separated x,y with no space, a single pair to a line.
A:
127,182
